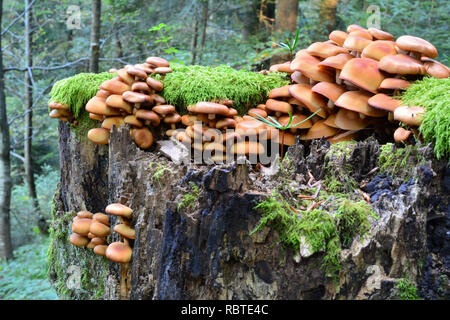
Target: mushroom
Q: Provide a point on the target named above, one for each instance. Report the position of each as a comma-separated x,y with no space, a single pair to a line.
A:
384,102
118,209
344,136
136,97
115,86
155,84
131,119
81,226
278,107
435,68
338,37
416,46
401,64
210,108
121,253
98,106
78,240
99,229
101,217
117,101
125,231
136,73
402,135
157,62
309,66
109,122
281,92
100,249
164,110
350,120
394,85
149,116
141,87
356,44
143,138
331,91
98,135
125,76
84,214
312,100
378,49
361,33
411,116
363,73
172,119
378,34
324,50
358,101
319,130
337,62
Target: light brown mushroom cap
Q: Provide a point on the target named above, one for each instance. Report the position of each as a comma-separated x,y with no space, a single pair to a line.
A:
125,231
232,112
103,94
309,66
378,34
157,62
131,119
143,138
136,97
278,106
155,84
101,217
358,101
118,209
435,68
378,49
81,226
226,123
98,106
411,116
97,241
337,62
401,135
136,72
59,113
344,136
99,229
250,127
100,249
354,27
394,84
280,67
325,50
98,135
384,102
338,37
256,111
248,147
141,86
188,119
287,138
148,115
56,105
172,118
356,43
115,86
125,76
401,64
84,214
163,70
78,240
97,117
109,122
209,108
298,77
164,109
329,90
183,137
364,73
330,121
361,33
157,99
145,67
117,101
281,92
312,100
319,130
350,120
119,252
297,122
416,44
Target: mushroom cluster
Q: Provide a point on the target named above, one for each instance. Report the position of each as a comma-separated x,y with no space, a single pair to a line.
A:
90,230
353,77
121,251
132,98
60,111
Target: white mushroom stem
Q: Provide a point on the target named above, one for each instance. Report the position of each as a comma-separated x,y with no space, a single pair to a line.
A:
312,82
211,116
330,104
415,55
173,126
338,73
278,114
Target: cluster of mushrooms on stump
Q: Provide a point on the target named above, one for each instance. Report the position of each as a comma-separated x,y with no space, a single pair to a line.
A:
339,89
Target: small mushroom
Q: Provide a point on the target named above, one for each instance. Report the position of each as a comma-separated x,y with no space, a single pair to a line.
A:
78,240
98,135
125,231
119,252
120,210
81,226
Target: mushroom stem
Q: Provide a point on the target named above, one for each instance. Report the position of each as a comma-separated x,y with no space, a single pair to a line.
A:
338,73
173,126
211,116
125,285
330,104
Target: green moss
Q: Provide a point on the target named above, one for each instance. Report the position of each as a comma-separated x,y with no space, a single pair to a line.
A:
188,85
338,178
324,230
399,161
434,95
189,198
407,290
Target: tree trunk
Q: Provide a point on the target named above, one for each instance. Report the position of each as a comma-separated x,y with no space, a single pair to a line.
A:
327,14
286,18
95,36
267,14
5,166
118,44
194,39
204,26
250,20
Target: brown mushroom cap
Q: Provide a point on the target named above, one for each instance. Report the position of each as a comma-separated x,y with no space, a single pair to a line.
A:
115,86
330,121
157,99
164,109
100,249
97,241
226,123
280,67
344,136
308,65
78,240
131,119
136,72
287,138
118,209
172,118
378,49
354,27
136,97
56,105
119,252
84,214
338,37
117,101
59,113
99,229
148,115
97,117
108,123
155,84
143,138
250,127
125,231
411,116
356,43
358,101
157,62
278,106
298,77
141,86
102,218
125,76
188,119
435,68
378,34
337,62
364,73
163,70
329,90
281,92
401,64
384,102
209,108
81,226
325,50
98,106
394,84
361,33
319,130
350,120
98,135
248,147
401,135
312,100
416,44
256,111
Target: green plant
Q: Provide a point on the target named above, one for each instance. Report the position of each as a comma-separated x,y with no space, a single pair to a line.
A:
290,45
407,290
189,198
159,172
164,39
